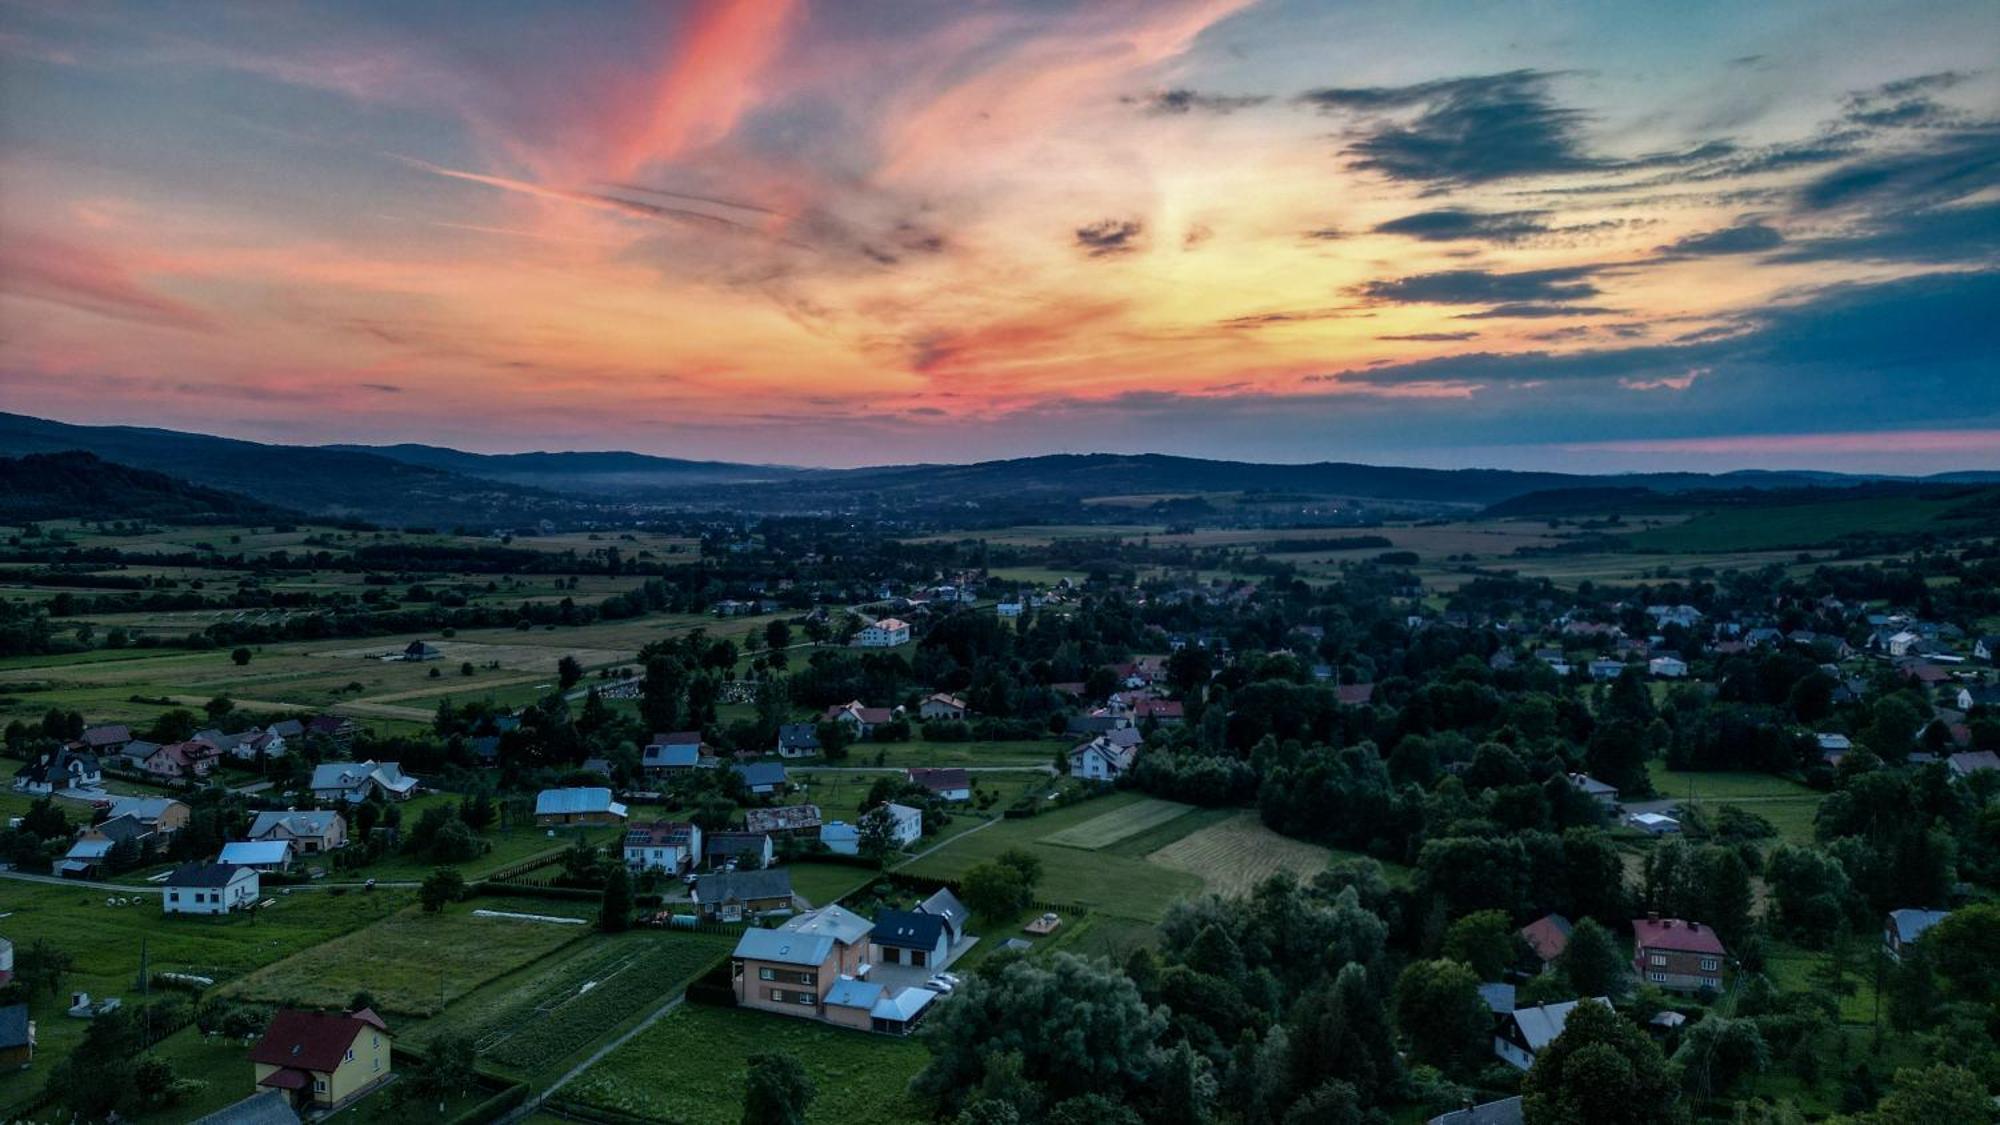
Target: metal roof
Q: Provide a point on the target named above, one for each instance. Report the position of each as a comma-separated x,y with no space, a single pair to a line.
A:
563,802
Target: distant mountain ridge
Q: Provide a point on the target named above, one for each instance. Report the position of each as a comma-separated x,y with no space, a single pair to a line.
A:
432,485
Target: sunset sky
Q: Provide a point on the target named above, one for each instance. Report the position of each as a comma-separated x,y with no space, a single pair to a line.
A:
1550,235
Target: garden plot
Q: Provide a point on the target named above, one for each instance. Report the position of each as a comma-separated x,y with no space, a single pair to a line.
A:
1118,824
1232,857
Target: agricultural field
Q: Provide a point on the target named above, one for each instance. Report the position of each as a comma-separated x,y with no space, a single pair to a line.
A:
688,1069
538,1020
1108,828
1801,525
1232,857
1788,805
416,963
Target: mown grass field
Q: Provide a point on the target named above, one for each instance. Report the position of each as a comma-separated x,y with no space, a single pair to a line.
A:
1798,525
1788,805
1233,856
416,963
688,1069
1108,828
108,943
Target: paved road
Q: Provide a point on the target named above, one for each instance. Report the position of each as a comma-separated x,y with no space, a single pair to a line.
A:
154,889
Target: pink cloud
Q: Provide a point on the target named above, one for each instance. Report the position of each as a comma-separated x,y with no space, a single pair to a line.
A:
82,277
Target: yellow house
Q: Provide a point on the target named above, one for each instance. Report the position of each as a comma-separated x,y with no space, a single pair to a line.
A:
323,1060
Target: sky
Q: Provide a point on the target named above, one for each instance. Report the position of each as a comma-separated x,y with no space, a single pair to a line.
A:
1586,236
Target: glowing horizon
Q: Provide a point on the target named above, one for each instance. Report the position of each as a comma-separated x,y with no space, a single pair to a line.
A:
786,232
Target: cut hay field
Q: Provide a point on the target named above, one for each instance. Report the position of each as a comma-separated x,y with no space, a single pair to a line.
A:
1233,856
415,963
1111,827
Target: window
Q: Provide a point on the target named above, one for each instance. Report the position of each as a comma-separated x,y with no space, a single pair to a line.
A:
1657,978
803,997
350,1054
766,974
1657,959
1710,964
319,1085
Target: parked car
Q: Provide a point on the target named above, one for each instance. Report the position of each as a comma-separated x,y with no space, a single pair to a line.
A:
940,985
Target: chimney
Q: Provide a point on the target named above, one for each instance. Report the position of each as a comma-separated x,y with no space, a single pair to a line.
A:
1695,926
1652,915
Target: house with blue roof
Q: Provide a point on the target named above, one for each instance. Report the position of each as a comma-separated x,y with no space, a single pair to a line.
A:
557,808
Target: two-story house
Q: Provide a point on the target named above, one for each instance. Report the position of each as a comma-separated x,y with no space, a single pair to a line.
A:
663,845
309,832
1677,955
791,969
886,633
209,888
59,769
731,896
355,782
1102,759
323,1060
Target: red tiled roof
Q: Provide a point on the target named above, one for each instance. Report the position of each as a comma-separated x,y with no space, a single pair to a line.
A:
1676,935
1355,693
1548,936
314,1041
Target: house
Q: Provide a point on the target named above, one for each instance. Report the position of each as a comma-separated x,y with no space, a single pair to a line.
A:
743,849
6,961
1008,609
418,650
309,832
945,906
265,1107
162,816
334,729
585,805
762,778
875,1007
209,888
663,845
785,820
1978,695
1667,667
323,1060
1165,712
1654,824
798,740
904,937
906,824
106,739
886,633
1969,762
1506,1111
17,1037
59,769
1101,759
355,782
1604,671
1903,927
674,751
1547,938
840,837
1833,746
1523,1032
732,896
792,968
193,758
860,721
84,858
251,744
259,855
952,784
1603,794
942,706
1985,648
1905,643
1677,955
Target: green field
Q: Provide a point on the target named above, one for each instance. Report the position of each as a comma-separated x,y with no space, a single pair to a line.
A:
1108,828
415,963
688,1069
1798,525
1788,805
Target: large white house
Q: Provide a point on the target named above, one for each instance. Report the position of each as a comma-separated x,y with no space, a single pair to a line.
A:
209,888
355,782
1102,759
886,633
664,845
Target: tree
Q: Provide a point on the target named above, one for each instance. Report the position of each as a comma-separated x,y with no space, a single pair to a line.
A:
1961,947
568,673
1600,1071
446,1072
1025,863
1718,1052
1593,962
776,1090
43,966
441,887
218,707
615,914
1484,940
241,656
1442,1015
834,739
1934,1094
360,1000
994,891
877,832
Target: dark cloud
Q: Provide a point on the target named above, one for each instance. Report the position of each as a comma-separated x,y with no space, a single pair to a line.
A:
1432,337
1955,166
1326,234
1183,101
1195,235
1478,287
1533,311
1449,224
1744,238
384,388
1939,235
1476,129
1106,237
1904,103
1292,316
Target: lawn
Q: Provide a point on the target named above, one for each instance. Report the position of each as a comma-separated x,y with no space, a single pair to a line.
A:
922,752
414,962
1792,969
1788,805
539,1020
688,1069
1232,857
821,883
1796,525
510,846
1108,828
1125,886
109,941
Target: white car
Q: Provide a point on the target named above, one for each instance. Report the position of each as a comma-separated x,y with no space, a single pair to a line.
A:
940,985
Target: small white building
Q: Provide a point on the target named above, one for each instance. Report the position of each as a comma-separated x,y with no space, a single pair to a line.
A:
1667,667
886,633
1657,824
209,888
1008,609
666,845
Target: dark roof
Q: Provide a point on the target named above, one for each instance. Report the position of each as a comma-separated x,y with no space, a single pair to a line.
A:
770,882
802,736
14,1025
945,905
203,874
1506,1111
311,1040
734,843
761,773
904,929
937,780
659,834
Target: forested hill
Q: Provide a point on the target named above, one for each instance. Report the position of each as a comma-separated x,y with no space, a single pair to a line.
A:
78,485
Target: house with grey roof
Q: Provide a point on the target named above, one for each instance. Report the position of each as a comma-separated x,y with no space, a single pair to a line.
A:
590,805
1525,1031
1903,927
731,896
791,969
355,782
308,832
